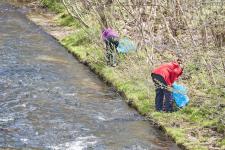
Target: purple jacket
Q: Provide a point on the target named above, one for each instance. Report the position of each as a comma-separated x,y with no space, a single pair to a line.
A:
109,33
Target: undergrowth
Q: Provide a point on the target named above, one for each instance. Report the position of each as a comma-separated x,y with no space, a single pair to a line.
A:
195,126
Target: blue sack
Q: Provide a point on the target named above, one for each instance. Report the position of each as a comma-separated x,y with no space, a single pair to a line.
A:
126,45
180,95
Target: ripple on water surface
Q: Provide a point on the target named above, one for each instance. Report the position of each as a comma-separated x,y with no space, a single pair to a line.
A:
50,101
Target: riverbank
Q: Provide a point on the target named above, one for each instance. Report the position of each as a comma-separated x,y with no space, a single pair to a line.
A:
189,128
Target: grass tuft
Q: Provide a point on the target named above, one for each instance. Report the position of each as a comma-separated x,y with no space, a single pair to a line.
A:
188,127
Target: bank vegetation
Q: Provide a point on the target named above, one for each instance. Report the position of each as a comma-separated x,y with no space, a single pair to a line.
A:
162,30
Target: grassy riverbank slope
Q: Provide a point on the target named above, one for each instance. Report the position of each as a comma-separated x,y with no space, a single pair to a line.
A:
194,127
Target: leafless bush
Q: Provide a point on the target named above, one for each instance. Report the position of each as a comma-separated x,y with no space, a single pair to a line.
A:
164,29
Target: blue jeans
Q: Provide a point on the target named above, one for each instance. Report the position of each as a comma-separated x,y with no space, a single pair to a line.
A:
163,99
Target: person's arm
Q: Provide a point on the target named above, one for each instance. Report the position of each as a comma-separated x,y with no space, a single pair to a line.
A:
178,71
107,45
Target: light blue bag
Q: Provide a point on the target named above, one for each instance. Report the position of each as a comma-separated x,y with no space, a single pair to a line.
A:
180,95
126,46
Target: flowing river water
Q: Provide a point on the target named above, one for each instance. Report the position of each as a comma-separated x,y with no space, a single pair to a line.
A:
48,100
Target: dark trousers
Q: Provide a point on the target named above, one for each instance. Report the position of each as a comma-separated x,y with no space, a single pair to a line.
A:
163,99
111,50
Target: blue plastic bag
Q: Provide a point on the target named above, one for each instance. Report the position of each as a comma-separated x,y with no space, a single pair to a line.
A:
180,95
126,46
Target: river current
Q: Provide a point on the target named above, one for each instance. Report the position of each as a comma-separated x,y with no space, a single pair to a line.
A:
48,100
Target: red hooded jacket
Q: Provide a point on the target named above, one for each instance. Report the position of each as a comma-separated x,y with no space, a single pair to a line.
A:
169,71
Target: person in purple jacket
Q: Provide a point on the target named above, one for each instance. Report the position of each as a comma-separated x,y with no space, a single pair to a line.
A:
110,38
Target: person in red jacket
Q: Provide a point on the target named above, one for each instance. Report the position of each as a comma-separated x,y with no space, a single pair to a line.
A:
163,77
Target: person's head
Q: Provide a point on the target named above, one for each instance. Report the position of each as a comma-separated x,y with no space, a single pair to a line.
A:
179,61
109,33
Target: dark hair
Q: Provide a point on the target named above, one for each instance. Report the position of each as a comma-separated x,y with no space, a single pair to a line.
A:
179,60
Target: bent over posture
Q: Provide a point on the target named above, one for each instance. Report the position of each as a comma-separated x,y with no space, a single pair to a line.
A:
163,77
110,38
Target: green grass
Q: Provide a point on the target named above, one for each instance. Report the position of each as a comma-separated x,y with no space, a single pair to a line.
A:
222,143
179,125
136,92
53,5
67,20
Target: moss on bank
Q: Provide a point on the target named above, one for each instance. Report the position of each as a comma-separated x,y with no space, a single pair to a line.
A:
193,127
